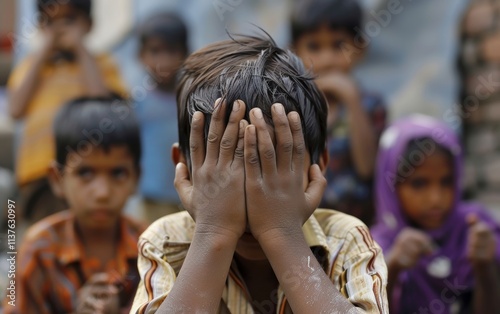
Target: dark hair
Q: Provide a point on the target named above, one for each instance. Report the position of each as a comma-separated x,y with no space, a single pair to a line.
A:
169,27
83,5
86,123
256,71
309,15
416,152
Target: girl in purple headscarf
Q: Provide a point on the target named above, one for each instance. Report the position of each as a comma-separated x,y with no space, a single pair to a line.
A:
443,254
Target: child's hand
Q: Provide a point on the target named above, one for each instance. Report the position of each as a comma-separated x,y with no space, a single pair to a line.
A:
214,193
98,296
339,86
278,200
48,42
410,245
481,242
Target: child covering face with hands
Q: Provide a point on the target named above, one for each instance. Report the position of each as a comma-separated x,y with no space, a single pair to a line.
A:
252,129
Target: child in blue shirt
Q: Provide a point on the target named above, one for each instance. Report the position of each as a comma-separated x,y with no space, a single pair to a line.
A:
163,47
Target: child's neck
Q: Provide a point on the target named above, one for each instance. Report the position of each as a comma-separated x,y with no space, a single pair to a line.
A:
166,87
90,236
259,278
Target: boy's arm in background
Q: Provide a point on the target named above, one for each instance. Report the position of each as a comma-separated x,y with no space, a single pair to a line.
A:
32,287
25,79
213,194
92,76
362,135
278,204
483,254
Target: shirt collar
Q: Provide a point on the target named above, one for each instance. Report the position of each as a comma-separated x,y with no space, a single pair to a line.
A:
316,239
71,248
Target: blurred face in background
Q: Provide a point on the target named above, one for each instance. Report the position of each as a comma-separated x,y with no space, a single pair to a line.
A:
323,50
66,25
427,195
99,186
161,60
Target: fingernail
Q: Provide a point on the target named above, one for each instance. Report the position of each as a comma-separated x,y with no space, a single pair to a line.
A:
196,116
294,116
279,108
236,106
257,113
217,103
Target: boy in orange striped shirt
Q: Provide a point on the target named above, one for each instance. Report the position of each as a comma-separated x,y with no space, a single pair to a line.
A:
84,260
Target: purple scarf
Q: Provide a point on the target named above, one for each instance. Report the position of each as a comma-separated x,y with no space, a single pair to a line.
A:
438,281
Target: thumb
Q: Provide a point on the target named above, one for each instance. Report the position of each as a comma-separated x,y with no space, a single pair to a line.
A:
181,180
316,186
471,219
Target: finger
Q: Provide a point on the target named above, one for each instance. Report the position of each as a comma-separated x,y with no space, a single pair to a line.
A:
239,151
104,292
471,219
284,140
252,162
182,182
215,132
315,188
99,279
425,244
197,140
231,134
298,143
265,145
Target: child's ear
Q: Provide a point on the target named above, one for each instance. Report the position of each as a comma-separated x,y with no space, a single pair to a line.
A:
177,155
55,179
324,159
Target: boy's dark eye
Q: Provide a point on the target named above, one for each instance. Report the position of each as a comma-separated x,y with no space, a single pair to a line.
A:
85,173
154,50
447,181
119,173
337,45
418,183
312,46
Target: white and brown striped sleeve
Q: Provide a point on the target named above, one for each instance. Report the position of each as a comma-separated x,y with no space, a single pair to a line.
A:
364,277
157,274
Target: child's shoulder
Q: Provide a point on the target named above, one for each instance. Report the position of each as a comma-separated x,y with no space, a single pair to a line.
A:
177,227
49,230
337,224
133,226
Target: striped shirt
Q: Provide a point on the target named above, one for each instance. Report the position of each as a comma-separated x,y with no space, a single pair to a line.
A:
52,265
341,243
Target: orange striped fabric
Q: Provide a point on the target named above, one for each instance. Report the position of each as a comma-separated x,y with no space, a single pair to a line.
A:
52,266
341,243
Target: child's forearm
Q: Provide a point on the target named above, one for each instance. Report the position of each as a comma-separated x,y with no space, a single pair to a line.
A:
92,76
203,275
362,138
20,97
487,288
306,285
393,272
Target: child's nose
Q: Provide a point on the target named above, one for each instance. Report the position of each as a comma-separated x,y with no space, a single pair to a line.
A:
102,188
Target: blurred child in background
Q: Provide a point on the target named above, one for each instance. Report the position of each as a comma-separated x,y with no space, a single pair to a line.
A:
322,33
163,48
84,260
62,69
443,254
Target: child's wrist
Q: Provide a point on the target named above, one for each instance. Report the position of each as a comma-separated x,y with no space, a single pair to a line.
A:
216,234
